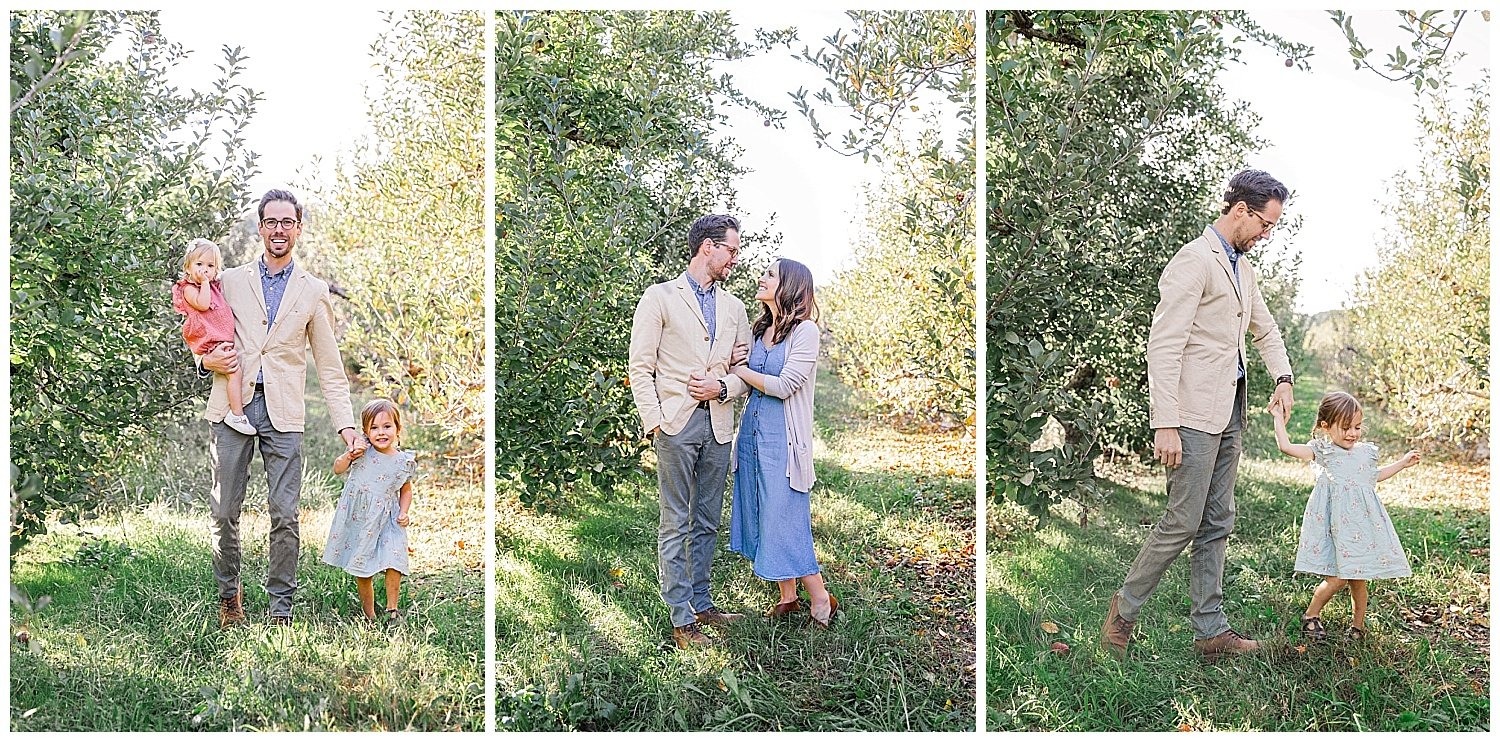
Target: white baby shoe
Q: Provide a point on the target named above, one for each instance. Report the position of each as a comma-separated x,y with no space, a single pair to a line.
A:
240,423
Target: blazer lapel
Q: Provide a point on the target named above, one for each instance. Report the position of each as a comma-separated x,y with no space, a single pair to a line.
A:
721,315
252,275
242,291
294,290
685,290
1223,260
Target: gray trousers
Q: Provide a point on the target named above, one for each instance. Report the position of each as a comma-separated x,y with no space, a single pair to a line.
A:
690,472
1200,511
281,453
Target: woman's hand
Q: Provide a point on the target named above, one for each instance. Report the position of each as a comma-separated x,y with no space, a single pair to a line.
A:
740,354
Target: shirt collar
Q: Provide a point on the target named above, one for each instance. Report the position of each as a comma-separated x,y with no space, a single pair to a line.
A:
1233,254
266,272
699,289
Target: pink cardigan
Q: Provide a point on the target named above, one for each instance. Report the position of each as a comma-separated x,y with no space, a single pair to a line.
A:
795,387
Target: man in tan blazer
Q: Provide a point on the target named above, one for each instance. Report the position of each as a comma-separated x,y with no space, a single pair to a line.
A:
1196,364
280,310
686,334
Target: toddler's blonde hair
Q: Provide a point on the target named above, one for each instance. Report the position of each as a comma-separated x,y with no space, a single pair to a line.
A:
375,407
199,247
1337,408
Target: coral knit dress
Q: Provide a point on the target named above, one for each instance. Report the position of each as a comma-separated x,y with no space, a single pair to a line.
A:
204,329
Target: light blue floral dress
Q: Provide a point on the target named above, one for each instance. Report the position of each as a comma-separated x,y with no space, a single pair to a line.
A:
364,538
1346,532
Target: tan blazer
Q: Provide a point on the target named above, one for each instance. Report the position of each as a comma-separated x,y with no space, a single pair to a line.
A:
669,342
1198,334
305,318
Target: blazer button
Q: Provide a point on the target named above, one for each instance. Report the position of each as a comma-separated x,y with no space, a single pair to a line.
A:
262,321
1239,314
705,337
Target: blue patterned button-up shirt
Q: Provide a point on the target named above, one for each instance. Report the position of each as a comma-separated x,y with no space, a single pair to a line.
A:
274,287
707,301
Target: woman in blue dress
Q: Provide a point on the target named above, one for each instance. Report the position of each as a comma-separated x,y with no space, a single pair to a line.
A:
771,522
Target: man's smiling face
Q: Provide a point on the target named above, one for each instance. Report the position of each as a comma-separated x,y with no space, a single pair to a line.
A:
275,234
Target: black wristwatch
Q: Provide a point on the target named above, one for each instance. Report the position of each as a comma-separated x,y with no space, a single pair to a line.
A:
1284,379
723,390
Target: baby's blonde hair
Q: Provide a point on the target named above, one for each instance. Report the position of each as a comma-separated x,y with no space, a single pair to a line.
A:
199,247
1337,408
375,407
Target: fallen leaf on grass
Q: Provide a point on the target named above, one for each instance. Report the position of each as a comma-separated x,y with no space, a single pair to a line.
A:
1354,662
617,572
1184,727
1301,649
1049,627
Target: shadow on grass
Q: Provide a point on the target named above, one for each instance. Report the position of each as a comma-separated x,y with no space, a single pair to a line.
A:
584,639
131,642
1409,676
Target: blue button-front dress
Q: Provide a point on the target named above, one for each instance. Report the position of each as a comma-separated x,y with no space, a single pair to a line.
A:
770,523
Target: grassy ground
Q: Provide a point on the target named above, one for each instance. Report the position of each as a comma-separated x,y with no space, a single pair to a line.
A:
1426,666
584,640
130,638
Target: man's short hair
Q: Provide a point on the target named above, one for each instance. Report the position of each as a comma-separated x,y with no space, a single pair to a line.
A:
1255,188
710,227
276,194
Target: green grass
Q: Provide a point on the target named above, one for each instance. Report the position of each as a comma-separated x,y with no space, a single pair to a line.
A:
1426,666
130,639
584,639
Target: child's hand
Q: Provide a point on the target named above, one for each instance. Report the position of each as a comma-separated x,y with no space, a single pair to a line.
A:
1411,458
402,519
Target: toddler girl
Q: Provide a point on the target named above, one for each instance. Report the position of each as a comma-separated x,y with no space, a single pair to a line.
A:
207,320
1347,538
369,527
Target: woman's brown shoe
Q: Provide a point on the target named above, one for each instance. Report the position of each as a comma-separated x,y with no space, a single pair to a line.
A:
782,610
833,607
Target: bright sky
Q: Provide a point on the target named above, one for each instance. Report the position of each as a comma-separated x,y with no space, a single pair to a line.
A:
1338,137
814,194
310,67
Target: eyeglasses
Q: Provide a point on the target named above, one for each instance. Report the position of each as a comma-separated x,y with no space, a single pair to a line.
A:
1265,226
285,224
733,249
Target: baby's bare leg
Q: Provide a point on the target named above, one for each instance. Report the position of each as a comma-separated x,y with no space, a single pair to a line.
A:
366,587
1359,594
236,395
1324,593
392,588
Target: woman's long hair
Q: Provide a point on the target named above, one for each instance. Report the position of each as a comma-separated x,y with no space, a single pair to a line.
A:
794,301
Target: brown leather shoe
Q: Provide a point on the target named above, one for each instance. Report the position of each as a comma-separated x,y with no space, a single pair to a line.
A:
1229,642
688,636
1116,633
231,611
833,608
782,610
715,617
